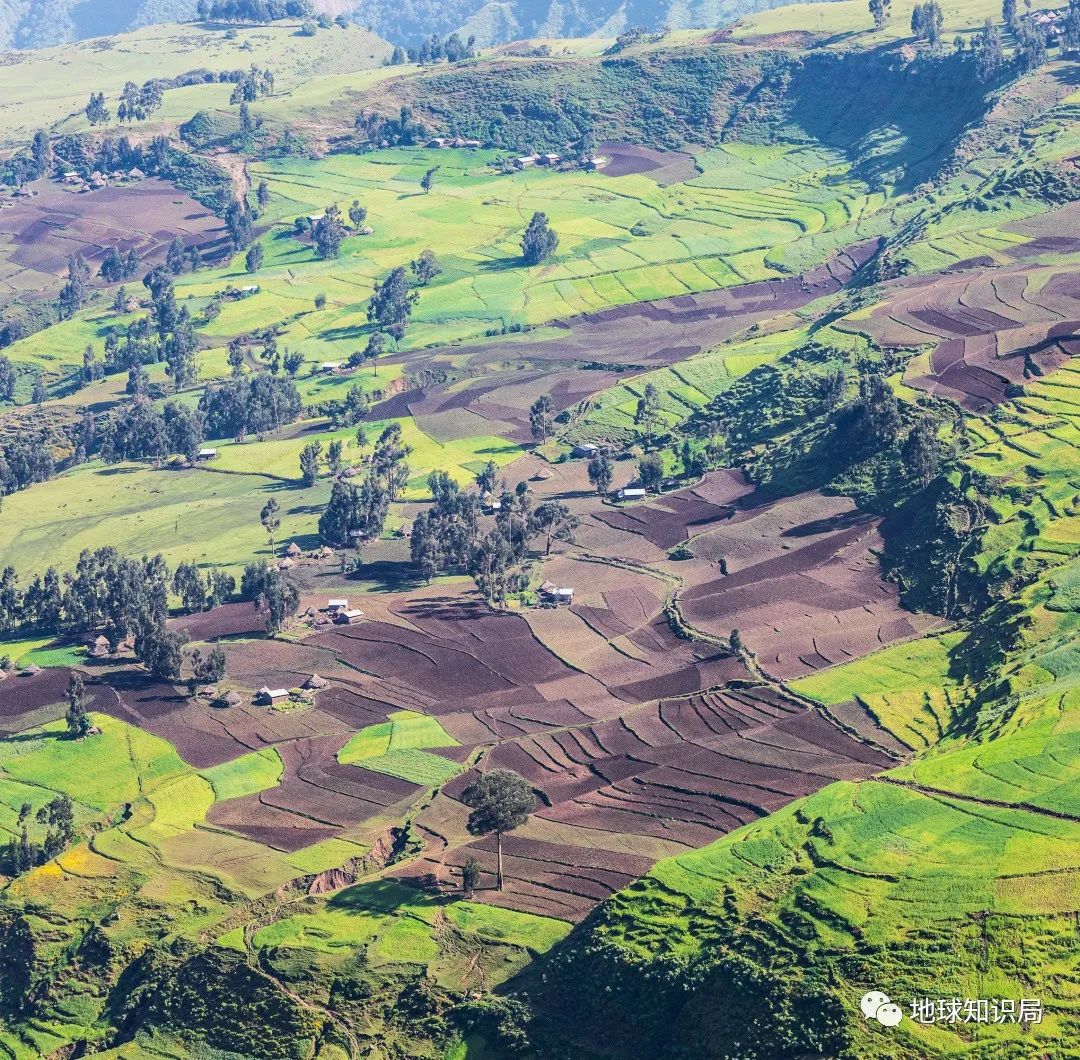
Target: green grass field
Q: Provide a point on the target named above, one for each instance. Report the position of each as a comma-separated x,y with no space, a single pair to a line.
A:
246,775
52,85
406,730
848,22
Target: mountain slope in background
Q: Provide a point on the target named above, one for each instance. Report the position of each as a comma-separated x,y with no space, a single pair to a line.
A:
40,23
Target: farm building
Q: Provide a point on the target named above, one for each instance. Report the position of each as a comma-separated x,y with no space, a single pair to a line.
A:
338,604
286,563
293,551
550,593
330,366
585,449
438,141
349,617
267,697
98,647
230,699
315,681
526,160
550,159
206,454
631,493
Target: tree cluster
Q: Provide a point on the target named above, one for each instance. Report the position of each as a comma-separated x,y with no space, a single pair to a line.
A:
539,241
880,12
249,404
272,592
118,267
927,21
139,430
55,820
138,102
392,302
96,111
433,49
404,130
252,84
449,538
254,10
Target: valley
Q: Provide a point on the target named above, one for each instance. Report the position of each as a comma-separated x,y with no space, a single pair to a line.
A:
681,428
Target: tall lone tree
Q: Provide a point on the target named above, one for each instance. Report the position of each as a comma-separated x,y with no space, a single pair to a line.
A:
309,463
542,418
879,11
328,234
539,241
392,302
601,472
428,179
376,346
501,801
78,721
271,522
426,267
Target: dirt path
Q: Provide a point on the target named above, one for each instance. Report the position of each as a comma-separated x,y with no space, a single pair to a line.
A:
237,169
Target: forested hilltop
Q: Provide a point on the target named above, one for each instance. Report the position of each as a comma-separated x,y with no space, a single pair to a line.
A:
568,550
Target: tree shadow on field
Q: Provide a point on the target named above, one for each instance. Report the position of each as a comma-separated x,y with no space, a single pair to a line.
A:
379,896
503,264
1068,75
389,576
829,524
351,331
450,609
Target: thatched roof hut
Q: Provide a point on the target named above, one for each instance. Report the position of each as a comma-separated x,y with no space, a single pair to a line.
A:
315,681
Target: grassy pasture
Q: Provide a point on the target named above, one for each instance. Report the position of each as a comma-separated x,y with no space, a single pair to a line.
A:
847,22
406,730
421,767
208,515
246,775
195,515
102,771
52,85
396,924
907,687
718,229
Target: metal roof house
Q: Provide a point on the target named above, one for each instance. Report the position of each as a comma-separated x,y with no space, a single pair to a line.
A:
350,617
